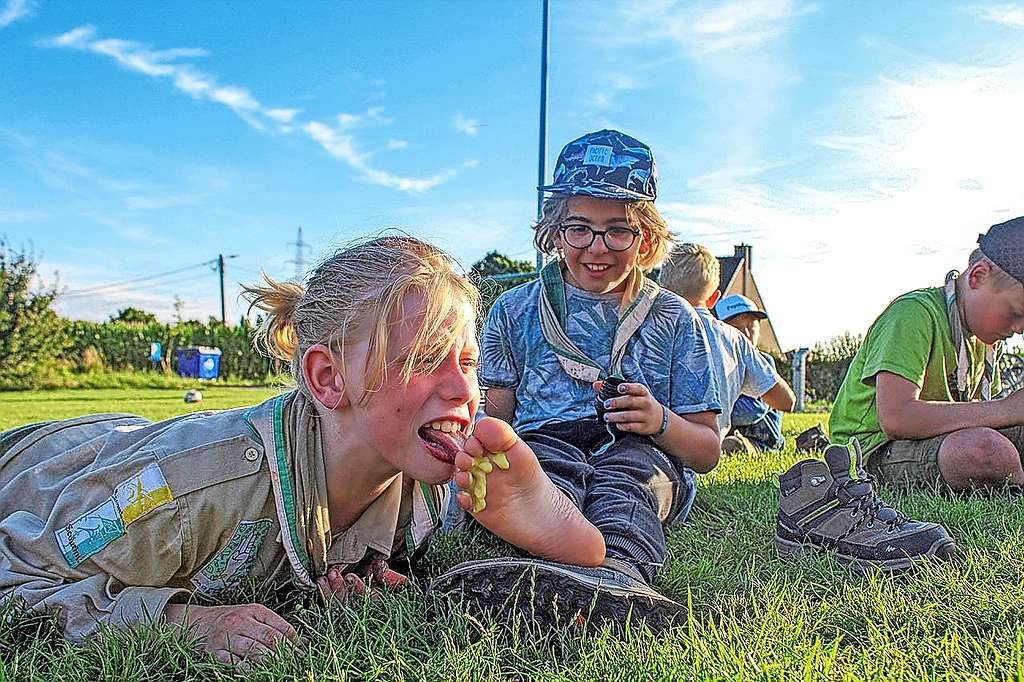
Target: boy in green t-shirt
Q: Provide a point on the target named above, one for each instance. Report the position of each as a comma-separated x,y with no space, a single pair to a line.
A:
911,394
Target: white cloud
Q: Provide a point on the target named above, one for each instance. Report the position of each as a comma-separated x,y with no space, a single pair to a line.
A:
469,126
199,85
916,168
702,28
15,10
1009,15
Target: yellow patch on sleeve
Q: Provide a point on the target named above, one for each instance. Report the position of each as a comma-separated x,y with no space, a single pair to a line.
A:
141,494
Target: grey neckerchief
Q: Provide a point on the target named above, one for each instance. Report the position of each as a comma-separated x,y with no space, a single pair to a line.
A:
553,320
963,360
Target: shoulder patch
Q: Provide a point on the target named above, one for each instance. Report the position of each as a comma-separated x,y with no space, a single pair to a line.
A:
90,532
141,494
132,499
233,563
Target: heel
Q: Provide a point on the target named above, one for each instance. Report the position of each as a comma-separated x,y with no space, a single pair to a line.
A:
788,549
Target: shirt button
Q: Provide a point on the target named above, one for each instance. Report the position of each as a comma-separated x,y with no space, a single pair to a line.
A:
252,454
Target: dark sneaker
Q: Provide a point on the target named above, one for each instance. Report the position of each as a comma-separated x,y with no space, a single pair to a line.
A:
813,438
832,506
550,594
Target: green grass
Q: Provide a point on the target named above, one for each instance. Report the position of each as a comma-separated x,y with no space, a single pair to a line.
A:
752,616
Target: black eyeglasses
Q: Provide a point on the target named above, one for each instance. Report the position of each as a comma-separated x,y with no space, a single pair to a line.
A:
615,238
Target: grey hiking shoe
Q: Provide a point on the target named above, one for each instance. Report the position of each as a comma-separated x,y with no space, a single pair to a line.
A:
832,506
551,594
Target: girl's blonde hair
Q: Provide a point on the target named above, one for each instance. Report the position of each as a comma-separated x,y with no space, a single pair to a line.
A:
641,215
357,294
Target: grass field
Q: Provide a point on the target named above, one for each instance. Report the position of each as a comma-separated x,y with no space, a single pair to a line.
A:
752,616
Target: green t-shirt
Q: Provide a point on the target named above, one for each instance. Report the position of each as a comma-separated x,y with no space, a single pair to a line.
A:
910,338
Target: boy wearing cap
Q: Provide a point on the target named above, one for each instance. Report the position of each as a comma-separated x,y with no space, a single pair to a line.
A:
741,371
627,459
757,425
919,393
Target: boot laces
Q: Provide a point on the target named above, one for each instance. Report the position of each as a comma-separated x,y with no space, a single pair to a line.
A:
868,505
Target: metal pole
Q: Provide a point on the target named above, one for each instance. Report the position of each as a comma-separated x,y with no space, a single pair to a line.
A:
220,269
799,377
542,146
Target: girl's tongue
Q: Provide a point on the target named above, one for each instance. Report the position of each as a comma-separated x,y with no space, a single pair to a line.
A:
449,444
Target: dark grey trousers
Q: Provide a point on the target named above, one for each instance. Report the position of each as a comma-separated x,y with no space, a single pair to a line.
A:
629,491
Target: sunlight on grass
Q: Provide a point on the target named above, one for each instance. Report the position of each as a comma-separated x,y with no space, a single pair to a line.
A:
752,616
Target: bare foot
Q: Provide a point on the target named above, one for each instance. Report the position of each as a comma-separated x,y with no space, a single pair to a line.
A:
518,502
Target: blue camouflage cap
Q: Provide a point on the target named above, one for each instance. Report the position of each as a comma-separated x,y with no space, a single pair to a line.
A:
606,165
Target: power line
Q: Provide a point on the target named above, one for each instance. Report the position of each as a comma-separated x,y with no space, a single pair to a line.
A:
124,287
99,287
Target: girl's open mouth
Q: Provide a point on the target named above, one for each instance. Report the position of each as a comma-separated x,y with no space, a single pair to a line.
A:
443,439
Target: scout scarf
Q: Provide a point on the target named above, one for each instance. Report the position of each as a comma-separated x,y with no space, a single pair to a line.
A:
963,360
300,491
636,304
300,486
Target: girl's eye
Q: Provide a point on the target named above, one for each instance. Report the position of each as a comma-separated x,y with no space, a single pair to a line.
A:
471,363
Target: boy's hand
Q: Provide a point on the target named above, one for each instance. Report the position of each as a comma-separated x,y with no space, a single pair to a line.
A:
635,411
233,633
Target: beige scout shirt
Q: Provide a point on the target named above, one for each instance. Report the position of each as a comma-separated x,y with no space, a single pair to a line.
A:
110,517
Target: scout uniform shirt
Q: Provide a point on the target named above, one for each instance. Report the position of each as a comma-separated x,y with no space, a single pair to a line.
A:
109,517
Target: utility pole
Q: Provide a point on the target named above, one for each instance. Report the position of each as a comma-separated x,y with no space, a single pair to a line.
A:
542,151
220,271
300,257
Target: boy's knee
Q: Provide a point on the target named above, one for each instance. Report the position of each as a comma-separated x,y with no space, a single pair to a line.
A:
985,455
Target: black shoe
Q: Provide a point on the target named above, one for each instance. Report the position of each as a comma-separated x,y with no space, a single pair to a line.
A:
813,438
557,594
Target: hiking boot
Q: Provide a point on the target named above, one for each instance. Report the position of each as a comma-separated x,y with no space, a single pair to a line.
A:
550,594
813,438
736,442
832,506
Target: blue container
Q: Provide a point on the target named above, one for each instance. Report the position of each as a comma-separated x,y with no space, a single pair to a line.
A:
199,362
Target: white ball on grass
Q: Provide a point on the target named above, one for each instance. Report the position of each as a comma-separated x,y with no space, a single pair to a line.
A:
193,396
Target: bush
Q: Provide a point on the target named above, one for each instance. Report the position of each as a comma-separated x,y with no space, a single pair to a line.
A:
826,365
32,337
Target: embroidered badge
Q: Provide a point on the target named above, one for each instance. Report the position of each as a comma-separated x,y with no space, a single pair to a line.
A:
233,563
141,494
90,533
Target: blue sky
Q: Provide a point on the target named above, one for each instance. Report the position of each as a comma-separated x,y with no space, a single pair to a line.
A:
859,147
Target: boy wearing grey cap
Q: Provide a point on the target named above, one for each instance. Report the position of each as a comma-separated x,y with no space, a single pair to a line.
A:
919,394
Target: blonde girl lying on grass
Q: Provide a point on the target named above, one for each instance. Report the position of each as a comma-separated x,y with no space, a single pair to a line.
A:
117,520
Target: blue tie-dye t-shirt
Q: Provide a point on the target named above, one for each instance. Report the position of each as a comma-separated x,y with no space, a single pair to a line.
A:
669,354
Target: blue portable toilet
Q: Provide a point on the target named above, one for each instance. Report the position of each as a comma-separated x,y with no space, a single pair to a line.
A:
198,362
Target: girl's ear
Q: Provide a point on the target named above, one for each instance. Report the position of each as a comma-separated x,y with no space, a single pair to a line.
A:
324,382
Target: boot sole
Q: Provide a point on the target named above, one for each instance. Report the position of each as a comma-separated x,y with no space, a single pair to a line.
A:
940,549
550,595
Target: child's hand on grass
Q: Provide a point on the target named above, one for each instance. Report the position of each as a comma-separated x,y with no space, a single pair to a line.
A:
634,411
233,633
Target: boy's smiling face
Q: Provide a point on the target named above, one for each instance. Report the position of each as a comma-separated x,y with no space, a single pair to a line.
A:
993,312
596,268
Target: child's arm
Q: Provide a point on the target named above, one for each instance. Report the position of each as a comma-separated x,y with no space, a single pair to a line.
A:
780,396
903,415
693,439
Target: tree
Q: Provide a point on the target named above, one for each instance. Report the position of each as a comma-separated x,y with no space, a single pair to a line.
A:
493,264
134,316
32,335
